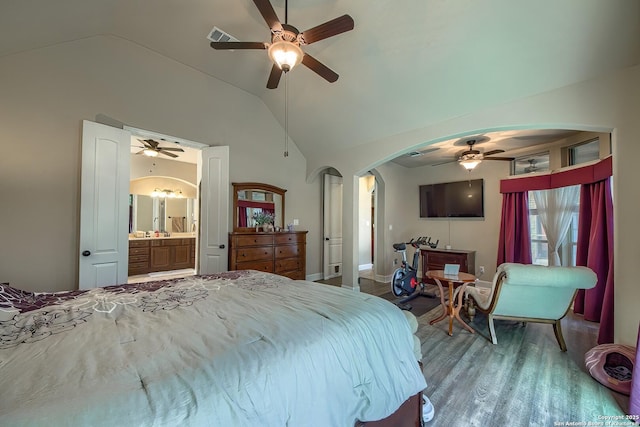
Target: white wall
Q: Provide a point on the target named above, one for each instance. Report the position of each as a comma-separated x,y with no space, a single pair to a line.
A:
364,214
46,93
155,166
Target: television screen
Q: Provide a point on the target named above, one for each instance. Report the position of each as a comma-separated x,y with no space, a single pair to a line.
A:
461,199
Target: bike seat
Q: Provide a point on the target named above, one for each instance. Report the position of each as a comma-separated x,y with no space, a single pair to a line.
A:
399,246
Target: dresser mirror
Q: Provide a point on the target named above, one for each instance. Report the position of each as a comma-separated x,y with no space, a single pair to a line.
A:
251,198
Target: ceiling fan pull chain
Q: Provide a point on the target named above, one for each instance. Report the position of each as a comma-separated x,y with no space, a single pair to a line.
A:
286,11
286,115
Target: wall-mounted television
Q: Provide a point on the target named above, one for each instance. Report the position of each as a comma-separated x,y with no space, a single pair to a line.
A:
460,199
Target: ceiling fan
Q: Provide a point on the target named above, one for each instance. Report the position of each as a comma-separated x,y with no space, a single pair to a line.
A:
284,49
471,158
152,148
532,166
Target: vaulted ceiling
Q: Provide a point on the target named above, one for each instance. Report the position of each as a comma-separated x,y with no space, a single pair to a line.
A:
405,65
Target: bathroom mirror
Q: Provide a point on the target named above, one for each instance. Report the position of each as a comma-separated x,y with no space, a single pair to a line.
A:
252,197
165,214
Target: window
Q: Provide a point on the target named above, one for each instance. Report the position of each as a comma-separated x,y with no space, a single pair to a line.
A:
540,243
584,152
530,163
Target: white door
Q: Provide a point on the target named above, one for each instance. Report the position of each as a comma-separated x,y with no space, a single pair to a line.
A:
104,205
213,185
332,258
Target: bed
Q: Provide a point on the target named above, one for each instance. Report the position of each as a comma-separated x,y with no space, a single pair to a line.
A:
241,348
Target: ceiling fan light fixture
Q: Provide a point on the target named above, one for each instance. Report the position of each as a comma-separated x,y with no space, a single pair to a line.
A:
470,163
166,193
285,54
150,152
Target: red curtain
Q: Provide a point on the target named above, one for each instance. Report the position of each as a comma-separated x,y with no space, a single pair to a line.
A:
634,399
242,216
243,205
515,243
595,250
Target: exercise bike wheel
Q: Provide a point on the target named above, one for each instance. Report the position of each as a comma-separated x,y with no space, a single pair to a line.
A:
396,282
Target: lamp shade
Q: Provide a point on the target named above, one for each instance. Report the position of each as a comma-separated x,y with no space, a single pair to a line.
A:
285,55
469,164
149,152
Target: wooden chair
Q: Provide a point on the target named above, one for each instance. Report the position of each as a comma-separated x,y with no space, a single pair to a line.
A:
531,293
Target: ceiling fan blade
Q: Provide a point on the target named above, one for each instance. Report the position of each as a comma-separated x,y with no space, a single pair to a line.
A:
166,153
269,15
508,159
331,28
152,143
140,152
444,163
274,77
172,149
319,68
148,143
489,153
237,45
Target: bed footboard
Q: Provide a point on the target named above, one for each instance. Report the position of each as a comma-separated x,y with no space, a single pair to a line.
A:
409,414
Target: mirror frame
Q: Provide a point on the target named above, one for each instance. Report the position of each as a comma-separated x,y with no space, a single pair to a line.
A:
241,186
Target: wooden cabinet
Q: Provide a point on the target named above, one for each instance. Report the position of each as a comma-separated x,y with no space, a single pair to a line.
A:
282,253
138,257
435,259
152,255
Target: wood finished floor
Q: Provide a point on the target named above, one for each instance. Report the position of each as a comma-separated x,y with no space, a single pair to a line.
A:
524,380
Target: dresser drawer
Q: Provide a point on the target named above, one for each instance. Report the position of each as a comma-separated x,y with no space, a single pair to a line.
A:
288,264
289,238
138,266
287,251
266,266
138,243
439,260
254,254
138,251
138,258
253,240
295,275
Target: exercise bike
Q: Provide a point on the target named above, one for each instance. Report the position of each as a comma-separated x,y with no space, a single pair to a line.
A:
404,280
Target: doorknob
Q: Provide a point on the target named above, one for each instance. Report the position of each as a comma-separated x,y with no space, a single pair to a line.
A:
86,253
326,238
221,246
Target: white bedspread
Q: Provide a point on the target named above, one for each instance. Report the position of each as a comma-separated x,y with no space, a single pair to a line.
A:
237,349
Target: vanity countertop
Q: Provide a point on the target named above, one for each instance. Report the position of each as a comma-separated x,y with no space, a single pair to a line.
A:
172,236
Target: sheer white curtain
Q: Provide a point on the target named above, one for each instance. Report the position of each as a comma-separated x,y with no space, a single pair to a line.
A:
555,208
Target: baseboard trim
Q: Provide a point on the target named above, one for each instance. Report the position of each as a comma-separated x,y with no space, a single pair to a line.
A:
313,277
365,267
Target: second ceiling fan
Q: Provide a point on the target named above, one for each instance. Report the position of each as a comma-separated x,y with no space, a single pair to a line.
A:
286,41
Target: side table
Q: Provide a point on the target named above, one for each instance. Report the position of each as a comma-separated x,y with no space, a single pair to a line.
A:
450,309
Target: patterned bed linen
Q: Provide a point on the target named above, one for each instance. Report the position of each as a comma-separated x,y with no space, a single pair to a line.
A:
242,348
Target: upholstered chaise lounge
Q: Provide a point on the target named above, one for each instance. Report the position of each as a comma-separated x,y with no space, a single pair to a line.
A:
531,293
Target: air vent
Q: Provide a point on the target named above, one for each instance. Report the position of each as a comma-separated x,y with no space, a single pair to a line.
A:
217,35
414,154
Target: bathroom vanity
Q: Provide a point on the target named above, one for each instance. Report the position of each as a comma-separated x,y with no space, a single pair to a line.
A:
153,254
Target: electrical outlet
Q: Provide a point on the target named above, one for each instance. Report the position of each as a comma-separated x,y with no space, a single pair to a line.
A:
482,269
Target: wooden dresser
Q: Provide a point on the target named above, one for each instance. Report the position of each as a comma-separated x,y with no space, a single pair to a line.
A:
435,259
282,253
